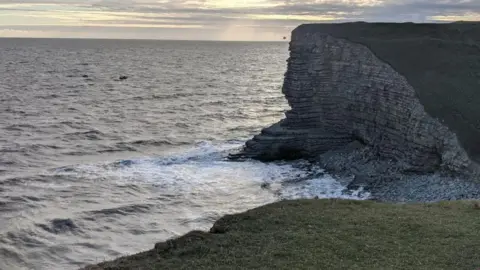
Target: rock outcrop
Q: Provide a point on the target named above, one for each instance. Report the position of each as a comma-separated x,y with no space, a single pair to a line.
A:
403,94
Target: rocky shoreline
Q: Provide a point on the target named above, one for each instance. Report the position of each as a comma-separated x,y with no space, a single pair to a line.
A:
360,109
386,182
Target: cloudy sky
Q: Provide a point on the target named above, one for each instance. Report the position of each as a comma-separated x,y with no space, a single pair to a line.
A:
210,19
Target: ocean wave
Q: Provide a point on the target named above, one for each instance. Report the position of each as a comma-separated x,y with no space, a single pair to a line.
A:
124,210
119,147
12,258
89,135
153,142
50,96
20,127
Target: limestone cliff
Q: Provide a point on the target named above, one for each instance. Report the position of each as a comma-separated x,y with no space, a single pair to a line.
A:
409,93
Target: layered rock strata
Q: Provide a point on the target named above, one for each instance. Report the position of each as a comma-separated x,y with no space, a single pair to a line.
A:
388,87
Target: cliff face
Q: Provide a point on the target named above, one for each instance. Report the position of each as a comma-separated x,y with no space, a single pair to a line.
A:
409,93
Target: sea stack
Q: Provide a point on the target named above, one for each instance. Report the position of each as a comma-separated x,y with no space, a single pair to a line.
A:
406,94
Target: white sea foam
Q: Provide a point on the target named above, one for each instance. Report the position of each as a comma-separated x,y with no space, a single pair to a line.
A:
204,171
126,206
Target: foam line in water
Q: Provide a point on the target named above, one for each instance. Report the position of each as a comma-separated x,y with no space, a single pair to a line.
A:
205,169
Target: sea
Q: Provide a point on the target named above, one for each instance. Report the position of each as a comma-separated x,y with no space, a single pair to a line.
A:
110,146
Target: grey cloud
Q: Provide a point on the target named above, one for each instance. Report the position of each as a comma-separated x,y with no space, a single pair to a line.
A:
285,7
185,13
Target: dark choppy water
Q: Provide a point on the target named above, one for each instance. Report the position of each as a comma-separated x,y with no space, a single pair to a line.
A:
92,167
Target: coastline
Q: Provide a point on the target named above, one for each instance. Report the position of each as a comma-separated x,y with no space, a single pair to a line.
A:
360,111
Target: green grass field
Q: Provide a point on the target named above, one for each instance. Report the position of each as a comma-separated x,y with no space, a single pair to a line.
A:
326,234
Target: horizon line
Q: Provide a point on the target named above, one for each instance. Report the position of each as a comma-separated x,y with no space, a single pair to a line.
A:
146,39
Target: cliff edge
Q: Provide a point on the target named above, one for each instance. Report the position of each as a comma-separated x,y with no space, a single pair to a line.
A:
402,95
325,234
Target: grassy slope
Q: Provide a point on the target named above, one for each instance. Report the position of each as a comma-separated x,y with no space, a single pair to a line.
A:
327,234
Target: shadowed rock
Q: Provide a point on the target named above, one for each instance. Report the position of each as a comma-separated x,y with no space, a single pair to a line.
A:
406,92
58,226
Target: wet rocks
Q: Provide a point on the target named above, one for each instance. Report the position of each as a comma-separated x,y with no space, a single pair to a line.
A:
58,226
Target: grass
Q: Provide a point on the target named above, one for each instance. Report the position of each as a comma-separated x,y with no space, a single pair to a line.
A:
326,234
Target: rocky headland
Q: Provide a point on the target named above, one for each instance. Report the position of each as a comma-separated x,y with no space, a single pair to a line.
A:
391,107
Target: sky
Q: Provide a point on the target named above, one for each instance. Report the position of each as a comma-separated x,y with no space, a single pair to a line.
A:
211,19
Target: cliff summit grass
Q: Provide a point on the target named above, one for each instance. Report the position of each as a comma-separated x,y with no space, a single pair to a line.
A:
326,234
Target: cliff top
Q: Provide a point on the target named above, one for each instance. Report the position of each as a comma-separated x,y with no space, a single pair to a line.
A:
325,234
447,31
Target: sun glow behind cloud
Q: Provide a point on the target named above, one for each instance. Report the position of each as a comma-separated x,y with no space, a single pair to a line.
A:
210,19
239,4
465,17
